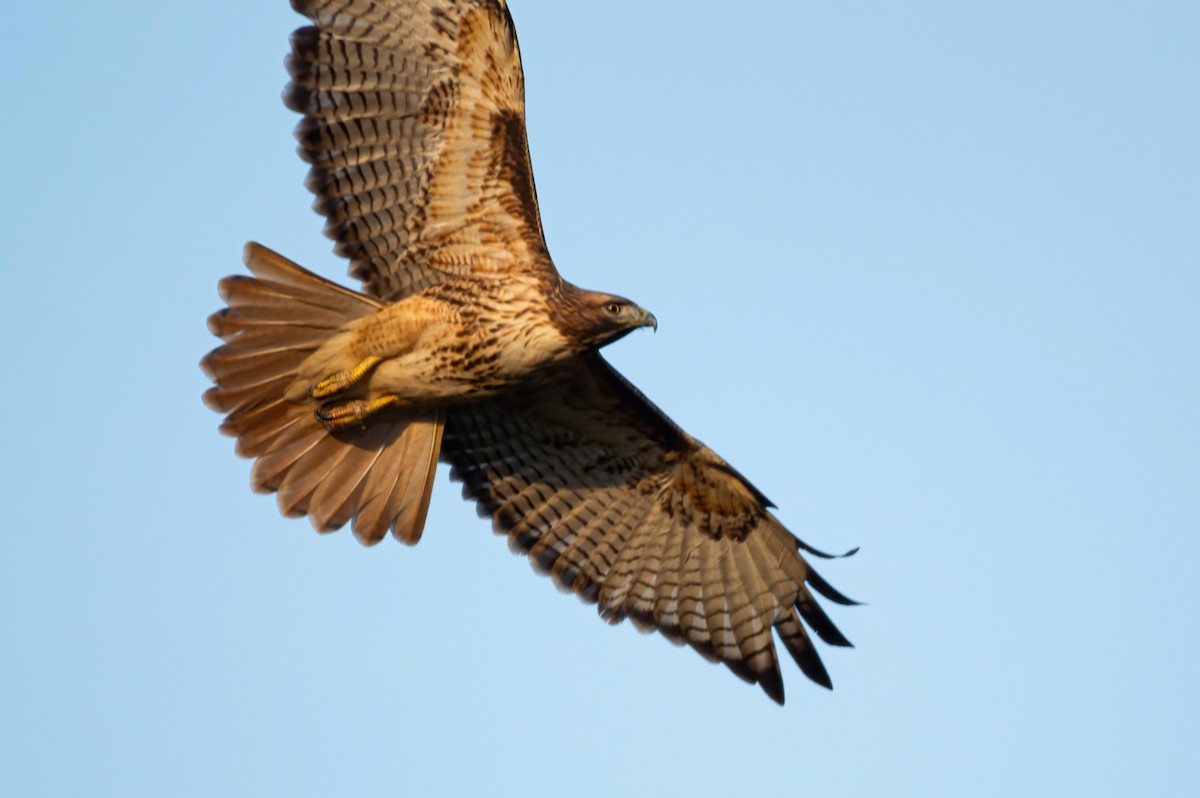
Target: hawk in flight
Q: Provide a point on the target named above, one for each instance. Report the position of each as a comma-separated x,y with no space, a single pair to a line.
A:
468,346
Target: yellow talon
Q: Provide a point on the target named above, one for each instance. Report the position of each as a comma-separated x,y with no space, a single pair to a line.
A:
343,380
352,414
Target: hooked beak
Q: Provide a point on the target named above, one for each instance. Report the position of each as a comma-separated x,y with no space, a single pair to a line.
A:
647,320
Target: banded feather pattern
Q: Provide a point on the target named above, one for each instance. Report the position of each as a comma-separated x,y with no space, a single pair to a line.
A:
586,476
376,478
414,124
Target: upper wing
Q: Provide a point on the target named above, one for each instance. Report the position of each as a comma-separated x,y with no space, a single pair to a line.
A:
414,123
620,505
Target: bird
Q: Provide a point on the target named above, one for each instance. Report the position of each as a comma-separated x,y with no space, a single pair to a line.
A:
467,346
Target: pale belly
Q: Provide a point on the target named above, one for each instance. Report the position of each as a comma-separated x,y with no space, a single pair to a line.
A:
451,361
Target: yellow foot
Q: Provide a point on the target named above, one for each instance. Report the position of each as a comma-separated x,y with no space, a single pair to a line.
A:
343,380
352,414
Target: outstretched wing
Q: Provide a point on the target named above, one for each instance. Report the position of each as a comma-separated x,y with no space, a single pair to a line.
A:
414,123
621,506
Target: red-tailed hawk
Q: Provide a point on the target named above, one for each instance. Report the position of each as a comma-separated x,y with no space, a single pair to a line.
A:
468,345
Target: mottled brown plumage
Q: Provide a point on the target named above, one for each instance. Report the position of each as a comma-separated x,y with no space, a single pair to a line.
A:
471,347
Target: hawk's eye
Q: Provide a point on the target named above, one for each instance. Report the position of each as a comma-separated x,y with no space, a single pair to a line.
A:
613,308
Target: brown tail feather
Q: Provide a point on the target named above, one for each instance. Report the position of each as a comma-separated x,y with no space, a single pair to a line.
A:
378,477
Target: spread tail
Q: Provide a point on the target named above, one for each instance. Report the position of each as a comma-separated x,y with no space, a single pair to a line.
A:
379,476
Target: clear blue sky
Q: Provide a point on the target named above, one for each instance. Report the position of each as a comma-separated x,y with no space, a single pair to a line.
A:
928,273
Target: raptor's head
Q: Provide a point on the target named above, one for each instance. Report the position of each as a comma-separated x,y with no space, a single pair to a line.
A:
594,319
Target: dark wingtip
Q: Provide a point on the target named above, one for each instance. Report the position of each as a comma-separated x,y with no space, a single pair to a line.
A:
830,592
796,641
771,683
824,555
819,622
815,670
